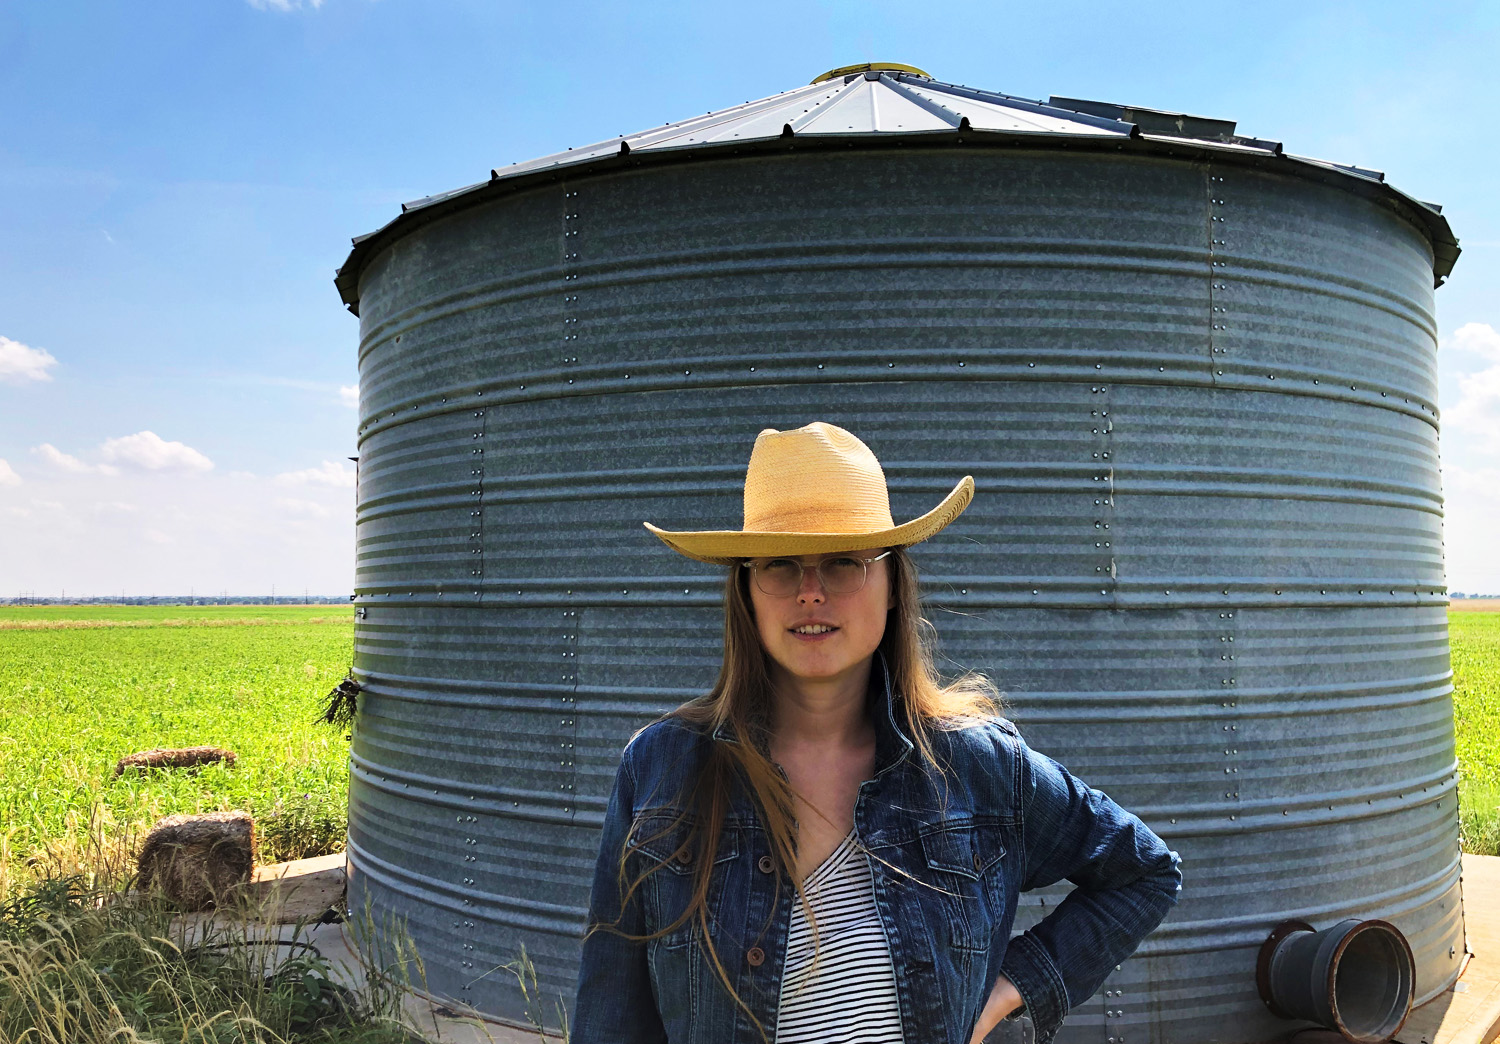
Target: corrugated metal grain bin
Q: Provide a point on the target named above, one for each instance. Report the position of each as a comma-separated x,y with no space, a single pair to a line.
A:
1193,377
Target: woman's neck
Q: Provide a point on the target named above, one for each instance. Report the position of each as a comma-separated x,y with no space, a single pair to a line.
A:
821,711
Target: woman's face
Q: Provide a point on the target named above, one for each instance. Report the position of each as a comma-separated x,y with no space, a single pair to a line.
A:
813,634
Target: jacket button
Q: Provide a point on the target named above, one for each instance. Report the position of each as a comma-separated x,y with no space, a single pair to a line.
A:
684,857
765,864
756,957
976,860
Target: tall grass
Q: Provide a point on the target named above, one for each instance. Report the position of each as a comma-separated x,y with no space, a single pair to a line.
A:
99,965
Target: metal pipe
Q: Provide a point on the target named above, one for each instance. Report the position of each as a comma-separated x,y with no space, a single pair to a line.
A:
1356,977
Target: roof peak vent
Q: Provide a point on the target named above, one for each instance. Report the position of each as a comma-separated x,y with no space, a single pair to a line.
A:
869,67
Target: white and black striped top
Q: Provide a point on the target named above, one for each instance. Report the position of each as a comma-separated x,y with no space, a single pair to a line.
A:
852,995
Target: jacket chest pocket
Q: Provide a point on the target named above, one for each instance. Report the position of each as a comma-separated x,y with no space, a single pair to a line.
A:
965,879
664,850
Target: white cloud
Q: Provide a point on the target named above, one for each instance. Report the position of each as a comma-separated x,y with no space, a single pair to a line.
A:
332,473
1478,406
1471,503
148,451
8,476
60,460
1475,416
20,363
167,531
1479,338
69,463
349,395
303,508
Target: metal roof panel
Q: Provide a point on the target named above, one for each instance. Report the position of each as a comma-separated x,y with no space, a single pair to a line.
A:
885,101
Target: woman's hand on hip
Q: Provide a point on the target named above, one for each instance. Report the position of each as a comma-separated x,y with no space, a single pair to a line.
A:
1003,1000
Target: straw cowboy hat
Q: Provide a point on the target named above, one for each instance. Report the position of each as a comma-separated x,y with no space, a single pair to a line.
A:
814,490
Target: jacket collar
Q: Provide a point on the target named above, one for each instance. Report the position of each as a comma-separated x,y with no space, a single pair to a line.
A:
891,744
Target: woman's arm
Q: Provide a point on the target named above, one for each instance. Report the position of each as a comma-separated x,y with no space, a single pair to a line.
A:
616,1003
1127,879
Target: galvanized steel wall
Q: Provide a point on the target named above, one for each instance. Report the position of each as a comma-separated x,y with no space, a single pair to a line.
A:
1204,558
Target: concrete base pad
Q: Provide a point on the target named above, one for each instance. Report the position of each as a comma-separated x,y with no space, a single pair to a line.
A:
1469,1012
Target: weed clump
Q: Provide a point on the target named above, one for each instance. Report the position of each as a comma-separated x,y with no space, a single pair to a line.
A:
310,824
1479,817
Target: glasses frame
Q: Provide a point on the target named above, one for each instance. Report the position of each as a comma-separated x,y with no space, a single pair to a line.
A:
822,580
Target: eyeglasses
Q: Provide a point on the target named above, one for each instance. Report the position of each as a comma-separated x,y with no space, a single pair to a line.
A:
839,574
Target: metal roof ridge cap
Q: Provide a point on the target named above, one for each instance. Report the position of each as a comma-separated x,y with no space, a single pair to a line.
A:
1038,107
942,112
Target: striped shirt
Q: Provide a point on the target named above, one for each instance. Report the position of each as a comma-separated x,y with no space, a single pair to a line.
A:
851,997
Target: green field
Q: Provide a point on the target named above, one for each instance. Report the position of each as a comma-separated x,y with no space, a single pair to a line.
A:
81,686
1475,639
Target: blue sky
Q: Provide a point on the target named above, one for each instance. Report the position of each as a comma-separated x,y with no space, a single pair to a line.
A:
179,180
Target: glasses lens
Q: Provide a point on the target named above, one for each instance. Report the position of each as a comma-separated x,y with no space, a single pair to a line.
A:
778,576
842,574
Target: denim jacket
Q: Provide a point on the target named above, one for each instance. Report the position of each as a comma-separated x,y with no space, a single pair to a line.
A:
1008,820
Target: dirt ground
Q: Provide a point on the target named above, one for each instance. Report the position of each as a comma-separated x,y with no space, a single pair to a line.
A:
1474,605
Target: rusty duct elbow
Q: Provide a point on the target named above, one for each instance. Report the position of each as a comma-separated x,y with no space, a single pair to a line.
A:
1357,977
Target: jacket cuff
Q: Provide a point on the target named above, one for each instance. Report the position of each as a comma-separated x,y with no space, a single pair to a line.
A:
1039,983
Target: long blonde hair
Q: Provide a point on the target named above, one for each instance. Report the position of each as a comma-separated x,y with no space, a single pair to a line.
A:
741,700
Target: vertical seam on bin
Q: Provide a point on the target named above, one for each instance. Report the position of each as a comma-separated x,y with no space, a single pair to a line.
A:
568,722
1101,461
1218,264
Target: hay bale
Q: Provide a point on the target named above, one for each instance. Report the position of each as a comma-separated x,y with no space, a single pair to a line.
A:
198,861
183,757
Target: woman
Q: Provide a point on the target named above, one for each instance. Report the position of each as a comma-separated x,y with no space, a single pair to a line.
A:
829,845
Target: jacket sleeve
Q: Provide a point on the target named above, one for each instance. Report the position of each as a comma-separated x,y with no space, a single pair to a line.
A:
1126,877
616,1003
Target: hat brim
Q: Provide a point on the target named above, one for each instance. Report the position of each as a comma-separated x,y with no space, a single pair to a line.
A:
726,547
